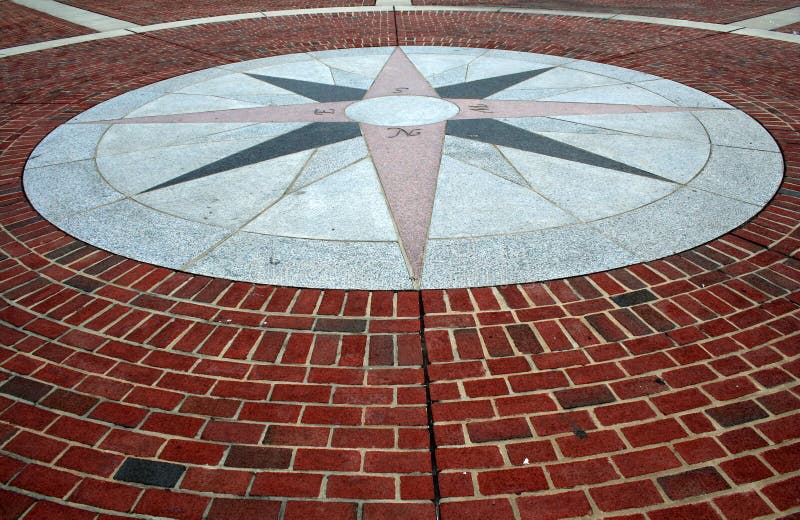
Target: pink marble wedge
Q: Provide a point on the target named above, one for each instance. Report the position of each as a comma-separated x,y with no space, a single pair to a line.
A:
399,77
407,161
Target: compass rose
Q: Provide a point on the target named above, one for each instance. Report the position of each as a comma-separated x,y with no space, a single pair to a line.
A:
404,121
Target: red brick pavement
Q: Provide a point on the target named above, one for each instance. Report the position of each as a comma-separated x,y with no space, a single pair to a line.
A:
20,26
716,11
666,389
146,12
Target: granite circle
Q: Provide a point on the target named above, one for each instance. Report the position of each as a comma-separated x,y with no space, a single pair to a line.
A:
400,168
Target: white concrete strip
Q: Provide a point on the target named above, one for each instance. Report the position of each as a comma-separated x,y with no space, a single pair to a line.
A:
196,21
552,12
382,3
328,10
728,28
770,35
772,20
95,21
52,44
705,26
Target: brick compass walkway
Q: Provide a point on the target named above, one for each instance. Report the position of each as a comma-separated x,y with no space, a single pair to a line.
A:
662,390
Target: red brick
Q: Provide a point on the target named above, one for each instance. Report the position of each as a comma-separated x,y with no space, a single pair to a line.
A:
502,429
693,483
516,480
269,412
737,413
623,412
654,432
35,446
469,457
783,429
740,440
477,509
406,511
106,495
699,450
745,469
675,402
633,464
561,422
416,487
486,387
157,502
784,494
360,487
592,443
538,381
286,485
298,510
743,506
554,506
91,461
523,453
689,511
525,404
217,480
625,496
173,424
47,481
362,438
397,462
132,443
579,473
234,432
784,459
327,460
193,452
730,388
585,396
456,484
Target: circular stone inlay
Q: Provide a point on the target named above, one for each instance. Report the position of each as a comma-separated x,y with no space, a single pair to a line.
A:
401,110
404,167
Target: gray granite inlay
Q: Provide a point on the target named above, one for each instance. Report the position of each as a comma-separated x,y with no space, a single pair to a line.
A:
78,187
150,472
130,229
307,263
686,219
725,175
67,143
539,255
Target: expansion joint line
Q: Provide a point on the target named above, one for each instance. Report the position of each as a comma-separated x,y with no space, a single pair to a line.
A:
429,407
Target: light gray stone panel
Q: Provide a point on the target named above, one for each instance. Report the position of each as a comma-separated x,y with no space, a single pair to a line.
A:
348,205
684,220
62,189
482,155
627,75
669,158
67,143
737,129
539,255
748,175
329,159
588,192
483,68
118,107
170,104
668,125
179,82
129,229
307,263
489,205
682,95
619,94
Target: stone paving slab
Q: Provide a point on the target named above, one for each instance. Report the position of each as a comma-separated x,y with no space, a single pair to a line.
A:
659,390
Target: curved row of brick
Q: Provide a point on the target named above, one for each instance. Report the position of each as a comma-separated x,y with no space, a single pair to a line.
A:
667,389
